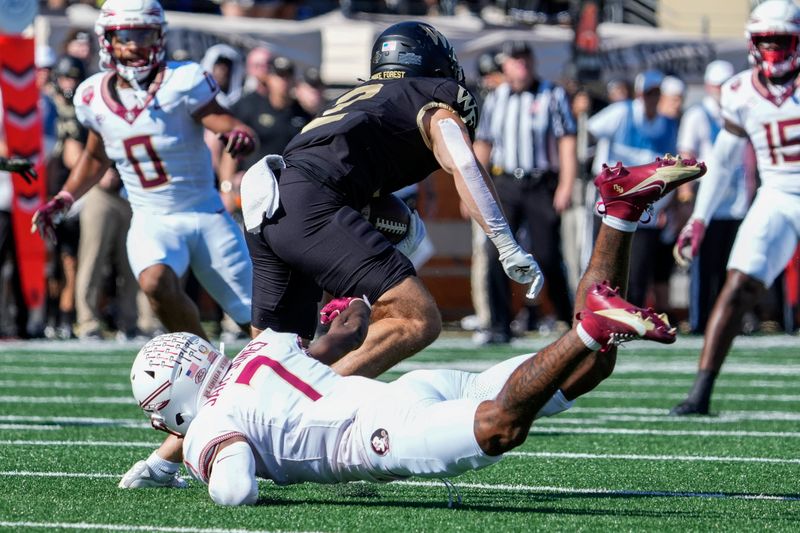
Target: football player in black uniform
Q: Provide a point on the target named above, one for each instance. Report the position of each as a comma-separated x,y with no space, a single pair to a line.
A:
413,116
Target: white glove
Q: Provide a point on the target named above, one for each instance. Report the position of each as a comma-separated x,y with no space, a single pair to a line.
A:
141,476
414,237
519,265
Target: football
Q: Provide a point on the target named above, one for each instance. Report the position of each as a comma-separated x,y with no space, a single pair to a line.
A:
390,215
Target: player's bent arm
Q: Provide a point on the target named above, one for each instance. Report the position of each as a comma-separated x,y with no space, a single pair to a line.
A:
726,157
347,332
232,480
90,168
218,119
452,148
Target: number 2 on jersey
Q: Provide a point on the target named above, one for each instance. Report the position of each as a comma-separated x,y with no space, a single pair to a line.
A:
161,177
333,114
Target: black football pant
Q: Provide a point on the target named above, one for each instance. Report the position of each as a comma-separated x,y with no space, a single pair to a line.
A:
529,203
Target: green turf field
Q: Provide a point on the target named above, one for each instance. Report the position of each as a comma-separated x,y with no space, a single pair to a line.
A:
615,462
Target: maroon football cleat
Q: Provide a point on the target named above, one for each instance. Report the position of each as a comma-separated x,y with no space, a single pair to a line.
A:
618,320
627,191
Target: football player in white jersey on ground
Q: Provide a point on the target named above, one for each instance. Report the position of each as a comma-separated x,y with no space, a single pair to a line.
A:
147,117
761,104
279,412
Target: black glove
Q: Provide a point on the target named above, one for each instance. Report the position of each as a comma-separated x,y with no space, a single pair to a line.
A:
20,166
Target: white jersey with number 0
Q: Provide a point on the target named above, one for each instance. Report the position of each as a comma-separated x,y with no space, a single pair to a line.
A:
773,125
157,145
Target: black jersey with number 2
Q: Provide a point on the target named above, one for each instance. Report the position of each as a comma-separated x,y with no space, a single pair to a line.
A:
371,141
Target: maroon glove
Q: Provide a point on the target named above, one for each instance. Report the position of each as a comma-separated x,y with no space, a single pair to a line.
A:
238,142
47,217
691,237
333,308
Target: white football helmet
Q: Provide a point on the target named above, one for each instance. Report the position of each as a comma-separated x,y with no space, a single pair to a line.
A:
171,377
770,20
132,15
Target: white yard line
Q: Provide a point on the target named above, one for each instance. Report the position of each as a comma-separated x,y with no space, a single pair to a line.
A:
30,427
76,420
666,432
126,399
73,443
680,396
485,486
637,457
61,385
69,399
690,458
124,527
446,341
604,491
29,371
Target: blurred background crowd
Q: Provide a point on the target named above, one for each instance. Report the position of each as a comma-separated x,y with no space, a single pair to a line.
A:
543,166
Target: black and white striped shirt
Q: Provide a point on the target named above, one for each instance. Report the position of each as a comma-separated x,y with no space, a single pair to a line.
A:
524,127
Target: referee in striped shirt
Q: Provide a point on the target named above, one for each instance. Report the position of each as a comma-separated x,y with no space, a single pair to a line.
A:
526,139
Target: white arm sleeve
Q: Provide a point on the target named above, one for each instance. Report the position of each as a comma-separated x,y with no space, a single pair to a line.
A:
473,179
233,476
726,157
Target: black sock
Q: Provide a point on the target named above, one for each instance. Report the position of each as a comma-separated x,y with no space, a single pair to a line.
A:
700,394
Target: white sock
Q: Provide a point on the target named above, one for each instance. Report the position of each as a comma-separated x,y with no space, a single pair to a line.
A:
620,224
161,467
587,339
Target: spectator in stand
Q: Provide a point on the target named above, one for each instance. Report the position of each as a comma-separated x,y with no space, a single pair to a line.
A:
105,220
699,128
71,136
78,44
310,91
673,92
491,77
224,63
255,68
526,139
274,114
45,60
274,9
638,133
8,250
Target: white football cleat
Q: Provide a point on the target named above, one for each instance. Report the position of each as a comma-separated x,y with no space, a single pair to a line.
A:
141,476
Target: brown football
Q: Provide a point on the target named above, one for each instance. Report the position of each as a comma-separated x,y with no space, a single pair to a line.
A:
390,215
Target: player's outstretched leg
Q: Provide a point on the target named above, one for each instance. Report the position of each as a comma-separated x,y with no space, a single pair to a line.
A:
503,423
626,193
738,296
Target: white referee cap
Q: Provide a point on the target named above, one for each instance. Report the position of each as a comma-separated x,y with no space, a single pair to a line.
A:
718,72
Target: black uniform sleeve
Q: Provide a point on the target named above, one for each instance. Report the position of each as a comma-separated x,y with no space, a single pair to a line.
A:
462,101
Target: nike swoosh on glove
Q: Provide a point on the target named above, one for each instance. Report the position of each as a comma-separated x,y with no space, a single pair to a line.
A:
140,476
47,217
521,267
414,237
687,247
238,142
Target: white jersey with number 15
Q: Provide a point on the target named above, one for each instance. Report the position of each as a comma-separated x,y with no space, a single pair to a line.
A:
773,125
157,145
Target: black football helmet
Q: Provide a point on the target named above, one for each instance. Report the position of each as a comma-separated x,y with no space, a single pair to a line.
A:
70,67
414,49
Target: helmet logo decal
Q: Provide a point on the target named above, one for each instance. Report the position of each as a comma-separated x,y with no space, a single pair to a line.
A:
409,58
389,46
435,36
469,109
